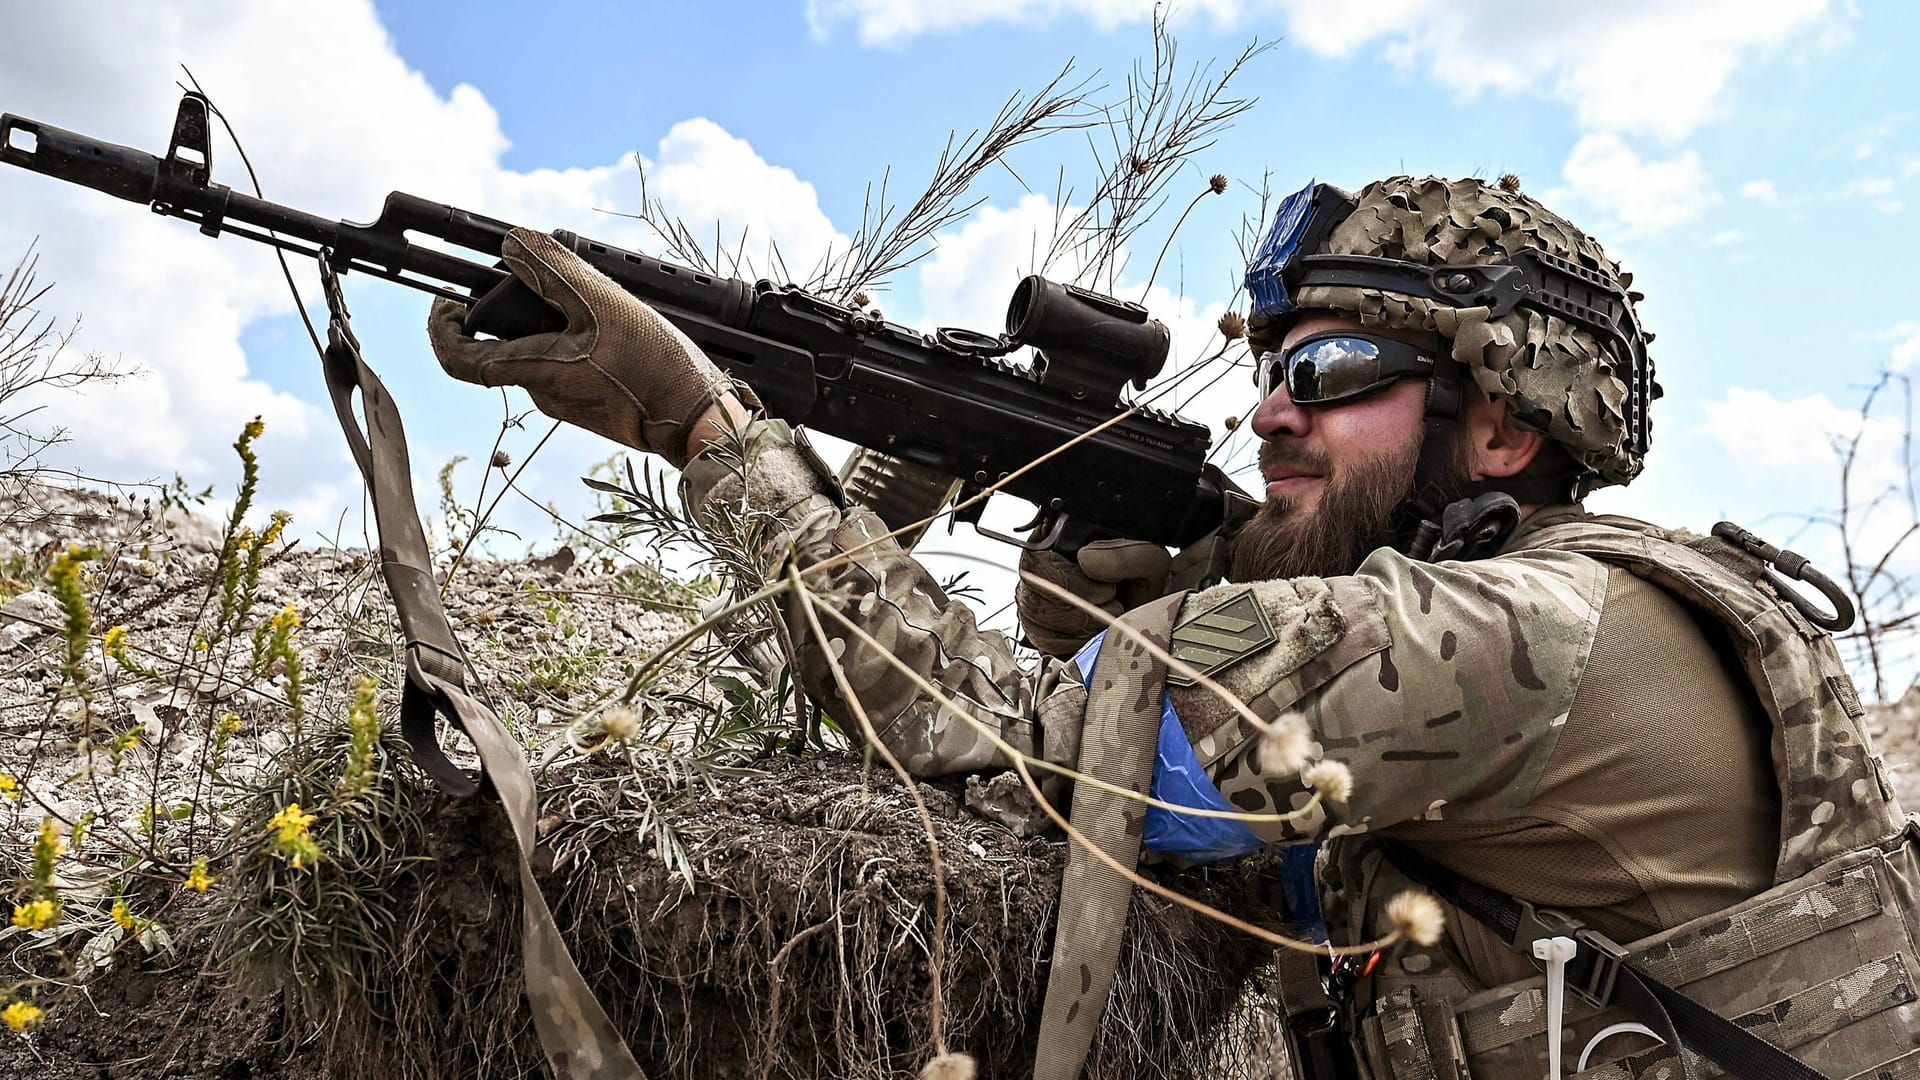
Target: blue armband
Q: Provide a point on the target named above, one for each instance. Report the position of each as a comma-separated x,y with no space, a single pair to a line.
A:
1179,779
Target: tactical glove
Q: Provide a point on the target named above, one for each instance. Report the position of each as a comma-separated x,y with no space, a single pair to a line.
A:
1112,575
619,369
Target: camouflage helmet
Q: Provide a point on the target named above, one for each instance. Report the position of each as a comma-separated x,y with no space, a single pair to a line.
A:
1532,306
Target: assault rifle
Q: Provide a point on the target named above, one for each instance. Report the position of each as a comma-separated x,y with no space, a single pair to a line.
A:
946,408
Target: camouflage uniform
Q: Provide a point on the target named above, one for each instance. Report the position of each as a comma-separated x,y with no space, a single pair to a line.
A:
1564,724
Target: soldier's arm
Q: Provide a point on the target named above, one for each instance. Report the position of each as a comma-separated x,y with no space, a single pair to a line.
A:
894,599
1443,687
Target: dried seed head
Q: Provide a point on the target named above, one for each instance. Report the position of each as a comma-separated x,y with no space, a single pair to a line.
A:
861,299
1510,183
620,722
949,1066
1140,165
1231,423
1285,746
1333,780
1218,183
1232,326
501,459
1416,916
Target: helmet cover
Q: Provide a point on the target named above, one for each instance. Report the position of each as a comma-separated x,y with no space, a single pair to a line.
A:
1561,379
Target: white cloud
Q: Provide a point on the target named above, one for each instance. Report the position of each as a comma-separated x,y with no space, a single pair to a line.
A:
1904,352
1761,190
894,22
1878,190
1727,238
1643,66
332,126
1793,448
1795,439
1641,195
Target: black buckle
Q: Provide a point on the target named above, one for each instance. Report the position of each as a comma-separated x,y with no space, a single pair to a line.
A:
1594,970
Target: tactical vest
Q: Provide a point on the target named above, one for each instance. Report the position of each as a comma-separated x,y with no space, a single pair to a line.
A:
1823,964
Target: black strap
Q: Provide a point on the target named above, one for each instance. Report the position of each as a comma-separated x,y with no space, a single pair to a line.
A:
434,656
1685,1025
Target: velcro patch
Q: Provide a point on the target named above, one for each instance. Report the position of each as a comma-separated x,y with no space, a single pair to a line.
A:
1221,636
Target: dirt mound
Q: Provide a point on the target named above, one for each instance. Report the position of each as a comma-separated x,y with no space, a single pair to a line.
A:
800,950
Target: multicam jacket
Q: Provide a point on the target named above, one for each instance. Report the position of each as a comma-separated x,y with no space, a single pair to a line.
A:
1561,722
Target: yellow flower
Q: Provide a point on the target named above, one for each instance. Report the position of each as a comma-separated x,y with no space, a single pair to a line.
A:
197,878
115,639
36,914
9,787
22,1015
50,839
288,830
254,429
289,822
122,916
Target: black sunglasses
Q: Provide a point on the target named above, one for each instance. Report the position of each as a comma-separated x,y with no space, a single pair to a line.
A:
1340,366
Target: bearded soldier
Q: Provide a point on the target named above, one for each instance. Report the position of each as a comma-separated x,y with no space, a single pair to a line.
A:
1626,757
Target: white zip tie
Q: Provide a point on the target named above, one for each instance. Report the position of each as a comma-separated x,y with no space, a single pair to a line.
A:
1556,951
1609,1032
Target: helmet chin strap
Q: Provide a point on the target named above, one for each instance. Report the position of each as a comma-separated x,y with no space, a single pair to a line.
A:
1443,519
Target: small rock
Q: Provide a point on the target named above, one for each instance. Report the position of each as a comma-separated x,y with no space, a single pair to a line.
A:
34,604
12,636
1005,799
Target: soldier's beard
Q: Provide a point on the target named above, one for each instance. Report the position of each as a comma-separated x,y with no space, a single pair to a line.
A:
1353,518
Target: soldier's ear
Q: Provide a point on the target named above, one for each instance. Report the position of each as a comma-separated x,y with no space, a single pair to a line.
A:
1498,446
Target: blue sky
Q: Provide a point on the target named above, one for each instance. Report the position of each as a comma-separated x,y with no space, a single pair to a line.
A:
1751,162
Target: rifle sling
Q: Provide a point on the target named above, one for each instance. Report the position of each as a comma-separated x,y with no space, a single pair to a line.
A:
1117,745
576,1037
1684,1024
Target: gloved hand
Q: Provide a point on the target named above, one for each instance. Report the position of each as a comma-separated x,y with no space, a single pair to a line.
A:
619,369
1112,575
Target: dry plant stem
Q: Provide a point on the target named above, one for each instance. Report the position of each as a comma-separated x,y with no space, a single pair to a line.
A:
1074,835
1164,248
937,950
480,521
694,633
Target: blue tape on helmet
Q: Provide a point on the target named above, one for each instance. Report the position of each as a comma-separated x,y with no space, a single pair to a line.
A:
1265,281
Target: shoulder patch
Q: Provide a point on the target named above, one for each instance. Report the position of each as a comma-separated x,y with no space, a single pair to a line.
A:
1221,636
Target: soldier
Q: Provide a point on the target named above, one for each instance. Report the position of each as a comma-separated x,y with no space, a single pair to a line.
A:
1575,729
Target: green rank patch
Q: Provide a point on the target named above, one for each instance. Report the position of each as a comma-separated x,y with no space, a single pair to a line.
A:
1220,637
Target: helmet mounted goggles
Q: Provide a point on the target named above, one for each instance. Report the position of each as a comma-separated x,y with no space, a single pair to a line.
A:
1287,261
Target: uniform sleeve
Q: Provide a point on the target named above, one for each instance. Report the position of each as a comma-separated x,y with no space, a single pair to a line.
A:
1443,687
778,480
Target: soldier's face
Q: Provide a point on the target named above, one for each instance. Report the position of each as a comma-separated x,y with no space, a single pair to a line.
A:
1333,474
